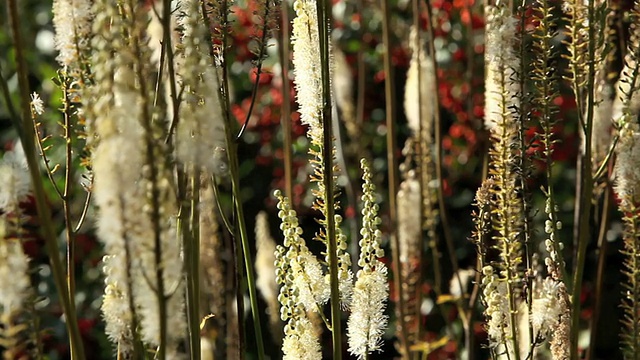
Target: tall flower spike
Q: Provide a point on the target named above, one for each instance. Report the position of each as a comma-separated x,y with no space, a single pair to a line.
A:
367,321
307,67
307,70
72,22
265,260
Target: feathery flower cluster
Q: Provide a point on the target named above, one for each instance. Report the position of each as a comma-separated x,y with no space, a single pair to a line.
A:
342,82
419,102
37,105
265,262
200,133
14,272
307,67
500,62
72,22
409,218
627,167
545,310
367,321
15,179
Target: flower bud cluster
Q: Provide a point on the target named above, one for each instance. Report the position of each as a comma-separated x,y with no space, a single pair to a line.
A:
497,309
303,287
303,272
367,322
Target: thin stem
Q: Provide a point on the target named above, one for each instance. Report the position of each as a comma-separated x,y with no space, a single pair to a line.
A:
584,205
285,118
324,20
44,214
602,259
191,240
168,48
65,195
261,54
6,95
241,228
85,210
389,90
444,219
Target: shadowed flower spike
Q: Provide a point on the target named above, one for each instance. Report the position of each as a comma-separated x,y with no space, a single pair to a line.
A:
200,134
14,179
14,278
500,62
265,263
367,322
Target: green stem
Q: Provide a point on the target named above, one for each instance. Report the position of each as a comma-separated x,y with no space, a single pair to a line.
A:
324,19
232,152
584,207
191,241
602,259
28,143
69,233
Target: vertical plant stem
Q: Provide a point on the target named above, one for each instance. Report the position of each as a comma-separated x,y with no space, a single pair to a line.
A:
324,13
285,118
69,233
584,205
602,259
191,241
392,164
28,143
